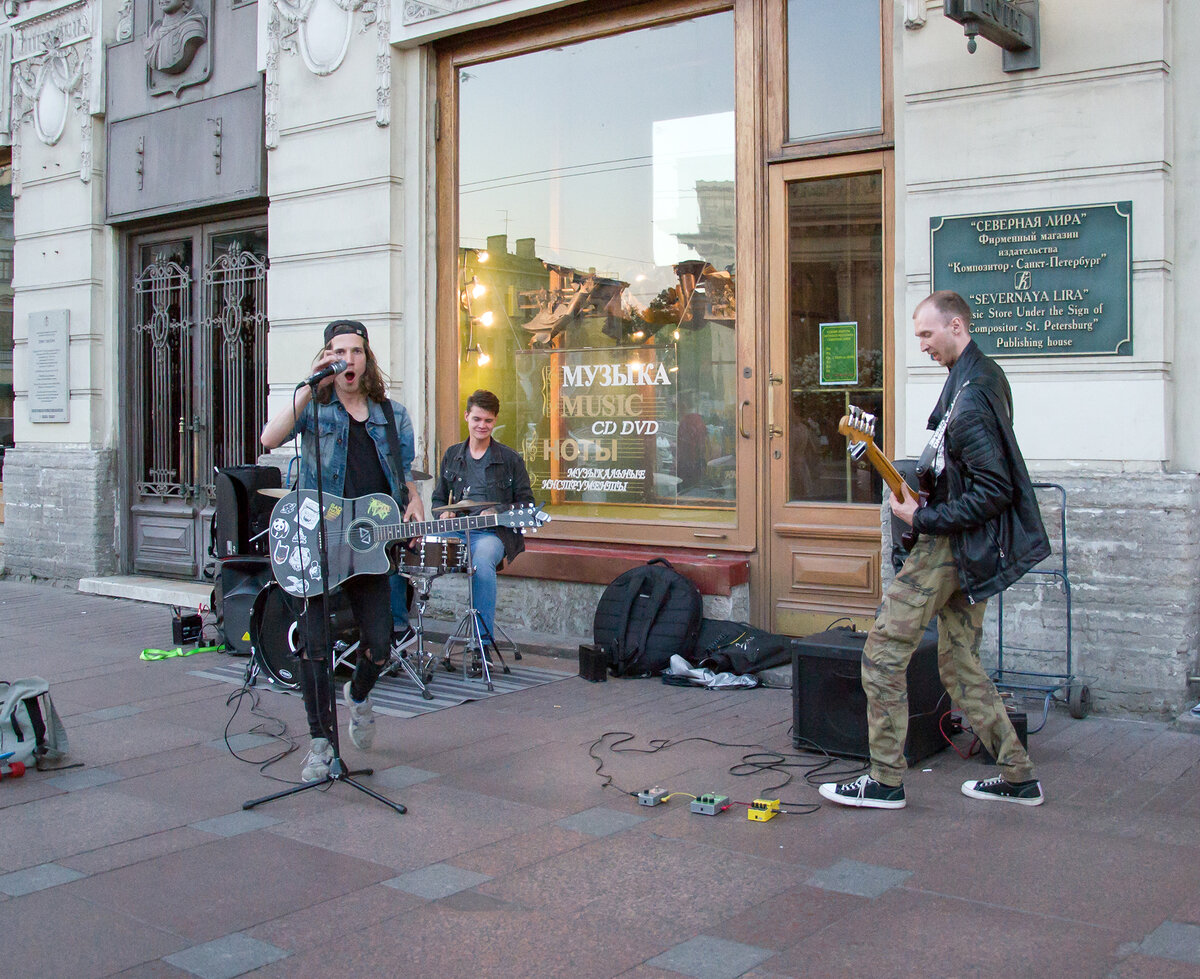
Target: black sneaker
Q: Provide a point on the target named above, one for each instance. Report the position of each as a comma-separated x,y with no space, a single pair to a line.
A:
402,638
866,792
1001,790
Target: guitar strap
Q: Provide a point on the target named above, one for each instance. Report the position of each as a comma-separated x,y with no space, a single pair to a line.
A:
934,454
394,446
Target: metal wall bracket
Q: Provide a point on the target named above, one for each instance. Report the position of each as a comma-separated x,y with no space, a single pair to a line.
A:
1014,25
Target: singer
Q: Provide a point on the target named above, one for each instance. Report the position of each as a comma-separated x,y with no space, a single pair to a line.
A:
356,459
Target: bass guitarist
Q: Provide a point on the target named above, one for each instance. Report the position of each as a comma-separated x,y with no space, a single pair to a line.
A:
356,459
980,531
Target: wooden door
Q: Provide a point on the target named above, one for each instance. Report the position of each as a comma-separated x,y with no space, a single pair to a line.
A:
830,346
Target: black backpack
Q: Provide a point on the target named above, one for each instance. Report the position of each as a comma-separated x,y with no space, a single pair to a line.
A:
737,647
645,616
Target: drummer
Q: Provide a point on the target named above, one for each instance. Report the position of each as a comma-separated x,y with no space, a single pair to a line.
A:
356,460
485,470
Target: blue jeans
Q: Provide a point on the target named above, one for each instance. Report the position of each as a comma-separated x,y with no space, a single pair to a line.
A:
487,551
399,603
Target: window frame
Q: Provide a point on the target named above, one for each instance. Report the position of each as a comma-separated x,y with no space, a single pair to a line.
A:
565,27
779,146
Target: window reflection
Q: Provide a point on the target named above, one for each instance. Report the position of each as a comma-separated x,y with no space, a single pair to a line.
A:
835,309
597,268
833,68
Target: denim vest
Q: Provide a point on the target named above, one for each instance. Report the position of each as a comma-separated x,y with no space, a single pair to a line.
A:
334,423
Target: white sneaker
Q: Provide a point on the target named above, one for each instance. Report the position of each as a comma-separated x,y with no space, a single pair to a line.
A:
320,757
362,720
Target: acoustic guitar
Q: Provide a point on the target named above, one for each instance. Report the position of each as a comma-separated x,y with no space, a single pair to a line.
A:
356,532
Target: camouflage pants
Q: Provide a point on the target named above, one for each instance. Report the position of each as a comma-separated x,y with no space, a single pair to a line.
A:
927,585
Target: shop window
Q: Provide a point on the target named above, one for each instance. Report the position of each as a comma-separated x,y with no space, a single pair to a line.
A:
597,274
834,76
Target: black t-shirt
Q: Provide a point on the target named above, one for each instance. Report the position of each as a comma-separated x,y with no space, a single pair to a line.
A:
364,471
475,484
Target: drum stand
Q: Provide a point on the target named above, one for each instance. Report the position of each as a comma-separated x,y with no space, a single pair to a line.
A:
418,666
473,635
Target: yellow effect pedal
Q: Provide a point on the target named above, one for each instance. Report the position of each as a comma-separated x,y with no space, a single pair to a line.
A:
763,809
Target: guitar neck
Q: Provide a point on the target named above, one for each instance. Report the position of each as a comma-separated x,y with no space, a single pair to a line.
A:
403,531
890,474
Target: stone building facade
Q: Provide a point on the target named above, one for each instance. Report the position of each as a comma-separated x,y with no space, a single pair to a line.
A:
399,141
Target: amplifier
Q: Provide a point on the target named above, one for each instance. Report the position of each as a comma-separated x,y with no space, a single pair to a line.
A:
593,662
829,708
240,579
242,513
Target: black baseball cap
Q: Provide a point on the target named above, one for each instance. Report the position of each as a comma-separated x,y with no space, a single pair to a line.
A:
338,327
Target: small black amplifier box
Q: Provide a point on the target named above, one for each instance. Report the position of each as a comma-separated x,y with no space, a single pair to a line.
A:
829,708
593,663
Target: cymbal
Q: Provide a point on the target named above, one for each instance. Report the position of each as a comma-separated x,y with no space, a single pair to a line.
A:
419,474
278,492
464,505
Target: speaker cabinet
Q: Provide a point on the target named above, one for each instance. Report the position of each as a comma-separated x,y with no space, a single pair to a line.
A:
242,578
829,708
242,513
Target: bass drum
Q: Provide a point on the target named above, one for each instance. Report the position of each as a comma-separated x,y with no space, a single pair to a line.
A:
273,636
275,633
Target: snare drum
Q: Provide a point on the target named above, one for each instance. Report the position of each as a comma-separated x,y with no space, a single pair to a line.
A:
274,631
434,556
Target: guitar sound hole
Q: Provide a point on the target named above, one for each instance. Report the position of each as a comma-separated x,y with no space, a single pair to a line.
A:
360,536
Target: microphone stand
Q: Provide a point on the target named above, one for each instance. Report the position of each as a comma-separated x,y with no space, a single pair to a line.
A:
337,769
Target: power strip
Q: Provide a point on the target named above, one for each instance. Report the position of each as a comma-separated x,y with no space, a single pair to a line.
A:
710,804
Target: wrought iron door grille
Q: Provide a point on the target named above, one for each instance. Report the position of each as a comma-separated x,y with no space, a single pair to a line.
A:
233,343
161,374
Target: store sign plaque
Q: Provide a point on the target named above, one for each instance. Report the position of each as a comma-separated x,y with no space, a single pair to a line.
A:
1046,282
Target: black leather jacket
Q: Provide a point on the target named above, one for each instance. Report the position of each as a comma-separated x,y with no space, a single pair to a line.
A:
507,482
985,501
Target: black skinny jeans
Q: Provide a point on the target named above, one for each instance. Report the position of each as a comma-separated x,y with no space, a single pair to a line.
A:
369,597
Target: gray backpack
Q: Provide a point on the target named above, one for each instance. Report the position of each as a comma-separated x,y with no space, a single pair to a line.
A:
30,727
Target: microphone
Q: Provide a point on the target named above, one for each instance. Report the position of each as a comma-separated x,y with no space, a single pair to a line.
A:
328,371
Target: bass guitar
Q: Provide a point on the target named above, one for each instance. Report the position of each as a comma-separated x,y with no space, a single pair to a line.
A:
859,428
356,531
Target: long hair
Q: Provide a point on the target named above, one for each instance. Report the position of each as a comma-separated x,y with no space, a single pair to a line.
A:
374,381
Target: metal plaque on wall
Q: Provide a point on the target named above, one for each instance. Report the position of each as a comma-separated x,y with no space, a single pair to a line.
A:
1047,282
49,374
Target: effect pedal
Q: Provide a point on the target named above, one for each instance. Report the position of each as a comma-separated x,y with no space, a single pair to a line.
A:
651,797
710,805
762,810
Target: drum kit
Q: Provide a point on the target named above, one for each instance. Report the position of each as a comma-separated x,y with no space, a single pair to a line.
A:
274,629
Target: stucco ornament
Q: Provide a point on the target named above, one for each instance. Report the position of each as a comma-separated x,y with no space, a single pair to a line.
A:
321,30
47,84
173,40
419,10
57,61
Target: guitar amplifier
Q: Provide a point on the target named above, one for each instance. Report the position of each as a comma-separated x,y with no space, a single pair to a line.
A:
240,579
243,513
829,708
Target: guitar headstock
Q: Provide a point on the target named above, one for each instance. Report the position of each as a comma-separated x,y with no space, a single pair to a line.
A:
859,427
524,519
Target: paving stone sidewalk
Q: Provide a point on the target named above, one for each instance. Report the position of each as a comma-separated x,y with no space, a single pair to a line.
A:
514,859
